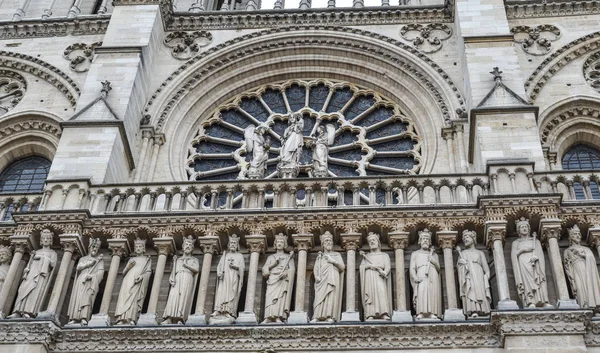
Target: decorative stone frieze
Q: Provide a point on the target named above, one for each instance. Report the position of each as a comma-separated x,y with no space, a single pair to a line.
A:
536,40
427,38
520,9
80,55
185,45
58,27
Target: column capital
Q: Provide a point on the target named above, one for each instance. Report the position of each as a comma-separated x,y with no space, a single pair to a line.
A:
495,231
593,236
256,243
550,228
164,245
446,238
398,240
302,241
209,244
119,247
72,243
351,241
21,239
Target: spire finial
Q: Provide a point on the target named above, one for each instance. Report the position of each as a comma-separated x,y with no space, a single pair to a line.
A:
105,88
497,74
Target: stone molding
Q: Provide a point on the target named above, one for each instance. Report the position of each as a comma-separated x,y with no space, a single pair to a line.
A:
551,125
536,40
42,70
32,124
189,75
81,26
533,9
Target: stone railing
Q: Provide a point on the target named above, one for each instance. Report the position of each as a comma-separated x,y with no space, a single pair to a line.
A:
10,203
577,185
251,5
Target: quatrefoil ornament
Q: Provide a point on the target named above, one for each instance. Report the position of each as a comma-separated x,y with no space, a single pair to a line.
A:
427,38
185,45
536,40
80,55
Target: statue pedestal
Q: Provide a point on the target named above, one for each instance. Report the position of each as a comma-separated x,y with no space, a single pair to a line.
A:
47,315
350,316
196,320
99,320
507,305
298,318
454,315
288,172
402,316
221,320
567,304
246,318
147,319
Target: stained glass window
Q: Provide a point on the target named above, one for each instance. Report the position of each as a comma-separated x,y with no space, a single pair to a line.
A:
582,157
26,175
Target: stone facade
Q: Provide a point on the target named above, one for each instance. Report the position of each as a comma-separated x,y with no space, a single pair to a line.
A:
431,122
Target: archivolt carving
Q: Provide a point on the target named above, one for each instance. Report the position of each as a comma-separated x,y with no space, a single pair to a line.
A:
12,89
187,85
185,45
550,125
31,124
427,38
80,55
536,40
43,70
559,59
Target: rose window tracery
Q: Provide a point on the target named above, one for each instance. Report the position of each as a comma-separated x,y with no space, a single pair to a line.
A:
12,89
317,128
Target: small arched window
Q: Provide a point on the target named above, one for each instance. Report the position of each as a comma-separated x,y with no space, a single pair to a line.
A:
26,175
582,157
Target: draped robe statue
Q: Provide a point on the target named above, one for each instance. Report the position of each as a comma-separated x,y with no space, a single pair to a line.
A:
425,279
291,149
279,271
329,279
473,278
258,145
582,271
182,285
36,278
323,140
375,281
529,267
5,258
230,277
135,283
90,270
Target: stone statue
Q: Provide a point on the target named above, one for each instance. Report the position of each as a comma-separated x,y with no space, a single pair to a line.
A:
473,278
425,279
230,277
136,276
375,281
320,145
529,267
36,278
279,271
291,149
5,259
580,265
329,281
182,285
90,271
258,145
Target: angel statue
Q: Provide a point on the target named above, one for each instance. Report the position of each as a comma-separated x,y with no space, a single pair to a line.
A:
291,147
258,145
320,146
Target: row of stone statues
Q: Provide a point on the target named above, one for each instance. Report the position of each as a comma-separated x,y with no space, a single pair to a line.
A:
329,270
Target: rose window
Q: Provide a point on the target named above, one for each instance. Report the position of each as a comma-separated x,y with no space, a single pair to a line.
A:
304,129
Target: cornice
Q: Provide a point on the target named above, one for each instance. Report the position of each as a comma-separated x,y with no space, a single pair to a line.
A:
536,8
81,26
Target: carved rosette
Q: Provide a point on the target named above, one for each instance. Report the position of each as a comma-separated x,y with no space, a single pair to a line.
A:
591,71
536,40
427,38
184,45
12,90
80,55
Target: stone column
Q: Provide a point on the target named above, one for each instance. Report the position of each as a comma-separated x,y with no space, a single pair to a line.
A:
119,248
210,245
496,234
447,241
550,230
459,128
146,135
159,140
302,243
399,242
448,135
165,245
71,244
21,242
256,244
593,238
351,242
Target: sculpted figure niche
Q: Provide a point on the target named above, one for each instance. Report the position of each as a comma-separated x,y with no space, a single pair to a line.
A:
320,145
136,275
329,279
36,278
258,145
182,285
230,277
529,267
279,271
425,279
375,281
5,259
90,270
291,147
473,278
581,268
